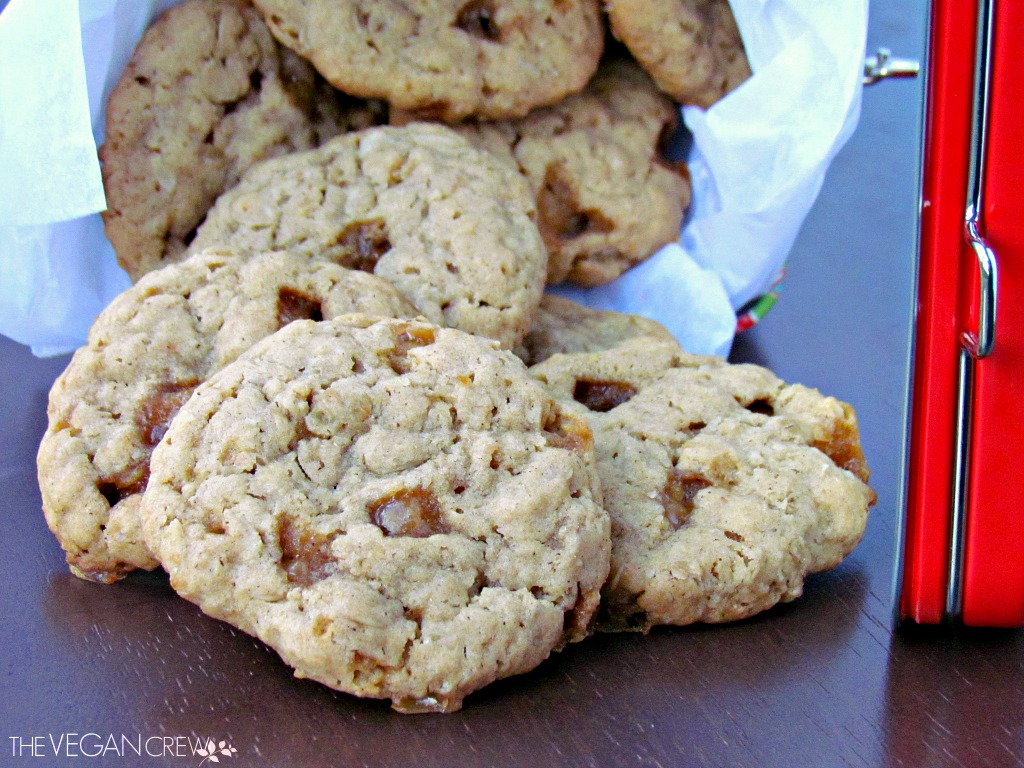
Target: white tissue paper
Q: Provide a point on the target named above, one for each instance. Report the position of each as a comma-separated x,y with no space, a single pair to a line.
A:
759,158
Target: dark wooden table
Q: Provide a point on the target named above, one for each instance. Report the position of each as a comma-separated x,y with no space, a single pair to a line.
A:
823,681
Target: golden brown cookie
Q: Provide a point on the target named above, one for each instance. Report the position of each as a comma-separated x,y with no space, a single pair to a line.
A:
725,486
563,326
606,197
692,48
397,509
449,225
146,352
447,59
207,93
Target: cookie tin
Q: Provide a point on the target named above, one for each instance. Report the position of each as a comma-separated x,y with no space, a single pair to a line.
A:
962,532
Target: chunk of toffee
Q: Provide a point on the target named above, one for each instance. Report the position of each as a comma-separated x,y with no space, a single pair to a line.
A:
843,446
294,305
560,216
477,19
563,430
305,557
678,495
406,340
155,415
363,243
410,512
415,337
602,396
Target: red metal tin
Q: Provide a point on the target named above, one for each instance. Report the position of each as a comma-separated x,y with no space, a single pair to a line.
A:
963,539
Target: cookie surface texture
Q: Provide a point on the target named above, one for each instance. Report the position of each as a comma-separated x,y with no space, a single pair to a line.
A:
563,326
207,93
449,225
725,486
397,509
447,59
606,197
692,48
145,354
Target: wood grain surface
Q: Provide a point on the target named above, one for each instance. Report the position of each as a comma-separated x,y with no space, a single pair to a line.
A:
823,681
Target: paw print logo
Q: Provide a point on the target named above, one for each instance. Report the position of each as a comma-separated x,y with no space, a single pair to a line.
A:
210,751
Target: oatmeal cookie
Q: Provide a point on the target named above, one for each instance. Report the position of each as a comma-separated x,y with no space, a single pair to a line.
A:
692,48
207,93
447,59
725,486
397,509
449,225
606,196
565,326
145,354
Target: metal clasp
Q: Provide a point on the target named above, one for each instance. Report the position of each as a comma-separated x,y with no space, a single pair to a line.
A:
980,345
883,65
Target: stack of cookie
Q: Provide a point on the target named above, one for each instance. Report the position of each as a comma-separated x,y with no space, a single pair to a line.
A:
336,406
216,86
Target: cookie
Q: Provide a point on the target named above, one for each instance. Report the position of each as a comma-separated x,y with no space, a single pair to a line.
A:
564,326
447,59
145,354
397,509
725,486
692,48
207,93
449,225
606,196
